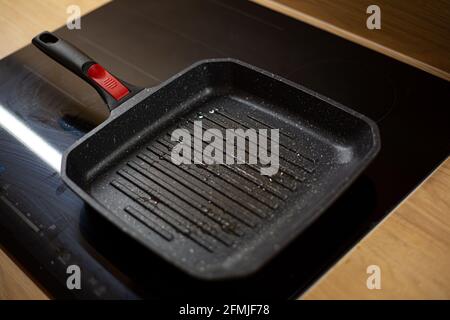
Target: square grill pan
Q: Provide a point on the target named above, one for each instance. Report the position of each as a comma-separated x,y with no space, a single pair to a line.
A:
219,221
212,221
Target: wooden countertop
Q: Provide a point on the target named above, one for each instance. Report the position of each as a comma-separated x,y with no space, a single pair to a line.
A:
411,245
416,32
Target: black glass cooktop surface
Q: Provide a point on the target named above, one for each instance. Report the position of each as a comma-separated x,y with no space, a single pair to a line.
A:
44,109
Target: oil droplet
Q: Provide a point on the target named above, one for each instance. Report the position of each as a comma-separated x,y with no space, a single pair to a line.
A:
205,209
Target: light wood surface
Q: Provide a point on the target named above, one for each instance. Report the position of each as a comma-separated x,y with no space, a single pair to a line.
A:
21,20
416,32
15,284
412,245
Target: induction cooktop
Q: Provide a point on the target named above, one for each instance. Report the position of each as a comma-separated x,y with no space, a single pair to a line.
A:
44,109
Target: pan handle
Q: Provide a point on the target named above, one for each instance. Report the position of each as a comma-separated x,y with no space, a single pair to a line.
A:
112,90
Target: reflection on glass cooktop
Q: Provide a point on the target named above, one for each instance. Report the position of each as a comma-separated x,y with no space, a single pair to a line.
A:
44,109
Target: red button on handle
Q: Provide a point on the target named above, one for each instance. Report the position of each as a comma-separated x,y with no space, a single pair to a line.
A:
108,82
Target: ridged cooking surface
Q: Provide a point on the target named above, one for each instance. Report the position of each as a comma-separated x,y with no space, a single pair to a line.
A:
213,206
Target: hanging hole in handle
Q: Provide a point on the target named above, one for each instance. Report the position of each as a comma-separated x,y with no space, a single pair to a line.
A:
48,38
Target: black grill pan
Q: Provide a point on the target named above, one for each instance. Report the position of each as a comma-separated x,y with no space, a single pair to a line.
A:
212,221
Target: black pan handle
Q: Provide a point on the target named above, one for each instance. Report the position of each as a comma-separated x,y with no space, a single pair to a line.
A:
112,90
